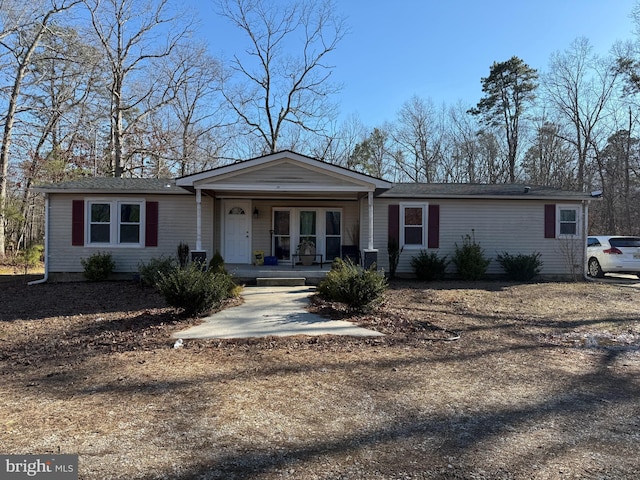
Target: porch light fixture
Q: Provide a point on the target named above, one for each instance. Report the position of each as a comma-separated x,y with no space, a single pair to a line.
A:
256,213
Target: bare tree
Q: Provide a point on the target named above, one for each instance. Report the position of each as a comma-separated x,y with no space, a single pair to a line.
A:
549,160
475,155
274,89
134,35
373,155
337,146
63,75
23,27
617,214
579,86
419,134
460,165
197,106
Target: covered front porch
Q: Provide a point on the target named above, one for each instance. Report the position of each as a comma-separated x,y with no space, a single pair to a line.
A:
281,209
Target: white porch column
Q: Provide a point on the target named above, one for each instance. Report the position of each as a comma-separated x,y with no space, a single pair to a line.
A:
370,204
198,220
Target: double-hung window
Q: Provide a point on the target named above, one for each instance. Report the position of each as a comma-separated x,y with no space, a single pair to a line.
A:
413,225
114,222
99,222
129,226
568,221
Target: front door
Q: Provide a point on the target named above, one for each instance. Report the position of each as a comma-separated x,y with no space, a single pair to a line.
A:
237,241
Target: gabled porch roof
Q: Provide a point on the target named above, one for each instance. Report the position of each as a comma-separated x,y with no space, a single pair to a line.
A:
285,172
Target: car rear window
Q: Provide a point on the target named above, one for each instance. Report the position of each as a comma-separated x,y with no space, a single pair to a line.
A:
625,242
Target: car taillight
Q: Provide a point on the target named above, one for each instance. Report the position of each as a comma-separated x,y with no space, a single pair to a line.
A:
612,250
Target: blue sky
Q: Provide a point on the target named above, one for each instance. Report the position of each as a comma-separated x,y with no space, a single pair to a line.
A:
440,49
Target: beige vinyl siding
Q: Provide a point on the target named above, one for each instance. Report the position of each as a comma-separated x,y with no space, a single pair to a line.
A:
176,223
503,226
283,173
497,225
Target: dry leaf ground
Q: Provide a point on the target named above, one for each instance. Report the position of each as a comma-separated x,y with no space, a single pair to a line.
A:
473,380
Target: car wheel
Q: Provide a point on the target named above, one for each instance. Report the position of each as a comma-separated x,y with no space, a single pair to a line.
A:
594,268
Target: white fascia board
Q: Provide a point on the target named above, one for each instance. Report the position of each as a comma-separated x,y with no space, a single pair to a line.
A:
284,187
275,159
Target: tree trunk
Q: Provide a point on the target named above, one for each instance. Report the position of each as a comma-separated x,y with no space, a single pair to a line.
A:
8,129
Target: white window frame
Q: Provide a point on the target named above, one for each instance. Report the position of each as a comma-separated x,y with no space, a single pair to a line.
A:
423,243
578,210
321,227
324,230
90,223
114,222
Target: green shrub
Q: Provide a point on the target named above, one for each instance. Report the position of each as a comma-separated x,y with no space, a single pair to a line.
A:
151,271
352,285
98,266
216,264
469,259
183,254
428,266
195,291
520,267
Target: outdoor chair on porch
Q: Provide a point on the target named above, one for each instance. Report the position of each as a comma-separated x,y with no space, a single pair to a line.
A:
352,252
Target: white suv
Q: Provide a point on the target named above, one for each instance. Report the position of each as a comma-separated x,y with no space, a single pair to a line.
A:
619,254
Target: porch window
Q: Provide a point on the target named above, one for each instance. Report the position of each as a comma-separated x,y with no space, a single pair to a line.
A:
333,236
282,234
413,225
308,226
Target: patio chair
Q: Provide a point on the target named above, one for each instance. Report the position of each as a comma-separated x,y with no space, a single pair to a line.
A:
351,252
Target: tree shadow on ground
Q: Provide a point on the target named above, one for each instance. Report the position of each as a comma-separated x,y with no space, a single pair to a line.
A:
35,302
456,435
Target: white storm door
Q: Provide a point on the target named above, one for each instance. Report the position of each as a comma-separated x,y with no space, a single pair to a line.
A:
237,235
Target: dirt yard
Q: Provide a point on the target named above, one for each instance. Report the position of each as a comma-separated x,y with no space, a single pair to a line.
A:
471,381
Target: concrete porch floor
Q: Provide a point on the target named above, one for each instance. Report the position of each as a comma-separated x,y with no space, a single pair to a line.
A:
248,274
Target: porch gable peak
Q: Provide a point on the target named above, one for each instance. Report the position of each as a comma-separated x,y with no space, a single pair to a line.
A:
280,171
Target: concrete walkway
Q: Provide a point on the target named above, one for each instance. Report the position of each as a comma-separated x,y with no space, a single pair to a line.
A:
271,311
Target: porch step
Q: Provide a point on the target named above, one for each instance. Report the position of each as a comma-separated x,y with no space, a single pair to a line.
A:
280,282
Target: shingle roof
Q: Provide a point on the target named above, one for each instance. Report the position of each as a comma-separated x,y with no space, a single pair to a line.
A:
398,190
115,185
464,190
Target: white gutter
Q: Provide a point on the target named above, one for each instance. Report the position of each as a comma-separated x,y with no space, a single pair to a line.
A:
585,232
46,243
